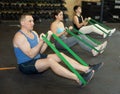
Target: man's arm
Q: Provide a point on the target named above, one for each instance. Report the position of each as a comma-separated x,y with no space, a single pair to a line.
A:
44,47
21,42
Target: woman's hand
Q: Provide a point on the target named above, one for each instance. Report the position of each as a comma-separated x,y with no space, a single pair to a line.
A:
89,18
85,22
70,27
50,32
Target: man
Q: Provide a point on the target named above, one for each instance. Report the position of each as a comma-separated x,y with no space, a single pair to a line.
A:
29,48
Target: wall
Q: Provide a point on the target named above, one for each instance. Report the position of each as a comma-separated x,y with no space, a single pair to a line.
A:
71,3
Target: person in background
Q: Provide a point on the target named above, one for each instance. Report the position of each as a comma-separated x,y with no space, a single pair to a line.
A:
82,24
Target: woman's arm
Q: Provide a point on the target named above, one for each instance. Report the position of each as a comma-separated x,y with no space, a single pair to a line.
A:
54,27
76,22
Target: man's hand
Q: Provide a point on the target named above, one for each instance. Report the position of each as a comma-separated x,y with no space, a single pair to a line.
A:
41,35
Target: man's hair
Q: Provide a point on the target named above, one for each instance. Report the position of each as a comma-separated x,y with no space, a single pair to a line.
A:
76,7
24,15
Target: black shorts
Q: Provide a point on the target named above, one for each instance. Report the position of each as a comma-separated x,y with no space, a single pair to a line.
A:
29,66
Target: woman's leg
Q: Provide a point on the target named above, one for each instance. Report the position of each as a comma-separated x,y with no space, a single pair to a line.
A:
86,29
91,28
102,28
87,40
109,31
96,46
69,41
100,31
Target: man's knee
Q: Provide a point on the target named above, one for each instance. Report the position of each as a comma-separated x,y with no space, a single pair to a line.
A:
50,60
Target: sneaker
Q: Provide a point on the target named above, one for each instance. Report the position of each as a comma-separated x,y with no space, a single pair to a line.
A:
104,35
108,33
94,52
88,76
96,67
103,45
101,51
112,31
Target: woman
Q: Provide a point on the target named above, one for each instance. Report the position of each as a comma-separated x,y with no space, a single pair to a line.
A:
57,27
81,24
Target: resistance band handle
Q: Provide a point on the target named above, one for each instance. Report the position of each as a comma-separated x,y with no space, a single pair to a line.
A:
89,45
64,60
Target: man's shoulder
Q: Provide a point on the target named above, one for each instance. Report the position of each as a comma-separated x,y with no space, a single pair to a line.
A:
19,36
35,32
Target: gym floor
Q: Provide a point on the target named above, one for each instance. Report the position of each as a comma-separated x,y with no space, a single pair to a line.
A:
105,81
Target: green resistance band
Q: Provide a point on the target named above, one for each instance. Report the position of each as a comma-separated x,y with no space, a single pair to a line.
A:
106,27
69,50
92,39
64,60
97,27
89,45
